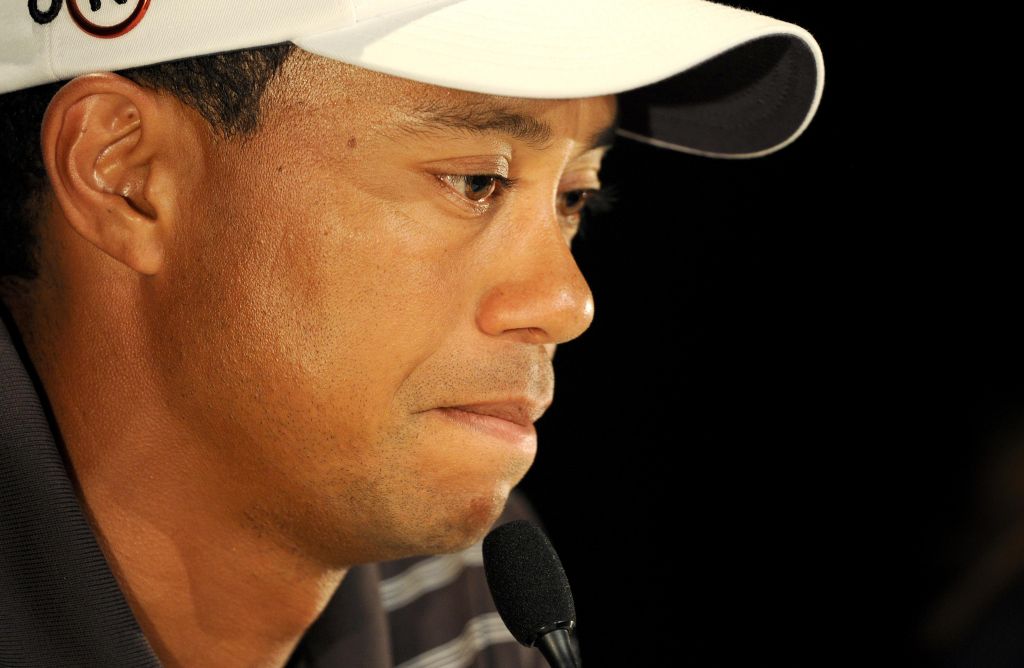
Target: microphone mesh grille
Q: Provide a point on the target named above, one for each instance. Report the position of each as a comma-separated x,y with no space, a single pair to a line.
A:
526,579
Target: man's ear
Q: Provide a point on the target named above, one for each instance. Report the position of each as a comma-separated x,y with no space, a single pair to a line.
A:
106,146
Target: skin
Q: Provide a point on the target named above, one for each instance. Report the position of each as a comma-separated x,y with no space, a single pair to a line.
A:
242,341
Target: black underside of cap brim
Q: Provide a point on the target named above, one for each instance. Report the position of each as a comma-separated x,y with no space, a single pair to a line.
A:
744,100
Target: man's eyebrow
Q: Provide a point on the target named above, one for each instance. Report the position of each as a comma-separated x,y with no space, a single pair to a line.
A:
488,117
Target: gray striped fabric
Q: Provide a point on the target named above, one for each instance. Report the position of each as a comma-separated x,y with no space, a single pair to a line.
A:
419,612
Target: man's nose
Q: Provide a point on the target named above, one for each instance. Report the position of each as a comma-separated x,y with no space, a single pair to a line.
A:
537,292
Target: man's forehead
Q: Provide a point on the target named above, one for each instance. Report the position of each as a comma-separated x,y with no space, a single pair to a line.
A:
416,108
521,119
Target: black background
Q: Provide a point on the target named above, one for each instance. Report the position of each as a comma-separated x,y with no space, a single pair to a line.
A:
765,447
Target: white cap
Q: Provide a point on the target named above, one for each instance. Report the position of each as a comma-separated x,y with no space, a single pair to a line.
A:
690,75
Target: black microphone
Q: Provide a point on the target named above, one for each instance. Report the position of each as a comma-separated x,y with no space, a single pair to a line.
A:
530,590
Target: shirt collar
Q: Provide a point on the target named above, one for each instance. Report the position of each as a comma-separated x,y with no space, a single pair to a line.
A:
59,595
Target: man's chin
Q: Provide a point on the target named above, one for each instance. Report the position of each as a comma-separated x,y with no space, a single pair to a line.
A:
465,523
483,512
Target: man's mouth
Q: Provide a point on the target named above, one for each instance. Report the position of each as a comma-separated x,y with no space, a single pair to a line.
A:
510,421
520,411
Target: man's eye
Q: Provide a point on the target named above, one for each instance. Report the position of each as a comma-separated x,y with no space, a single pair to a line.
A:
478,187
577,200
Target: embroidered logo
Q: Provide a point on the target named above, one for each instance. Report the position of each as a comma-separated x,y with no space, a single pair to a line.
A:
102,18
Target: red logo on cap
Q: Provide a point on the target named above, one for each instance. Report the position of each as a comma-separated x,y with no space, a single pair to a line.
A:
90,25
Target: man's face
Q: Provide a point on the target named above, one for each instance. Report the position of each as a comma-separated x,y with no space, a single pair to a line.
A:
333,282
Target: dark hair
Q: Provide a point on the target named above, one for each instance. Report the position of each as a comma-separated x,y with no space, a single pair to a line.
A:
225,88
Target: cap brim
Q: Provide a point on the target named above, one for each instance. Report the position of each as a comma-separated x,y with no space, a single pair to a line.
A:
691,75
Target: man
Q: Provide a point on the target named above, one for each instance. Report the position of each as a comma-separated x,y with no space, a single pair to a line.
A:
270,358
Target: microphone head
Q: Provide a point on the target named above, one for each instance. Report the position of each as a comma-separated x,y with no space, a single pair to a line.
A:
527,582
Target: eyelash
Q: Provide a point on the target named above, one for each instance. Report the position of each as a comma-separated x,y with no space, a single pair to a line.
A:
598,199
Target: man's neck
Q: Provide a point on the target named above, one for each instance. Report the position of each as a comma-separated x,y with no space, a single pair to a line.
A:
209,583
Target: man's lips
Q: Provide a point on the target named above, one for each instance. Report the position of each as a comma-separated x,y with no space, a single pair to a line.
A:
509,420
521,412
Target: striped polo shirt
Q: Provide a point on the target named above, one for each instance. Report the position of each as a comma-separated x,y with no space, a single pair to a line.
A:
419,612
60,604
